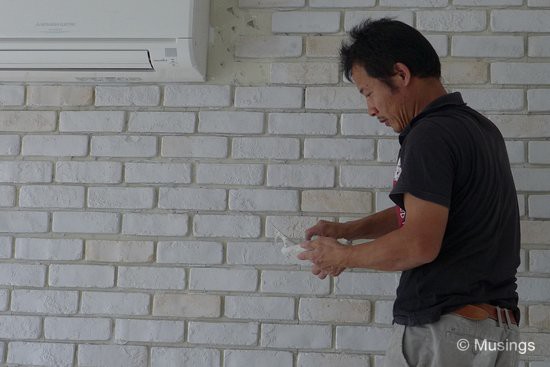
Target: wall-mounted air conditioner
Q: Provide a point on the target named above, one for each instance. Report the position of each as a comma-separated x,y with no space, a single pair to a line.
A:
103,40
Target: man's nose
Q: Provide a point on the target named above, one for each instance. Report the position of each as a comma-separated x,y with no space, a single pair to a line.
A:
371,110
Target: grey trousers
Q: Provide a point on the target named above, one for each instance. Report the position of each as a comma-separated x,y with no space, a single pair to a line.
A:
455,341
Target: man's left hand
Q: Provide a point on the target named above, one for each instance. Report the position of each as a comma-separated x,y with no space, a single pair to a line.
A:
327,255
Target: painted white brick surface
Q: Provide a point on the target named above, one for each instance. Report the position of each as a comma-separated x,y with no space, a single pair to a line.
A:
41,354
293,282
271,3
119,251
10,145
337,201
123,146
27,121
362,124
305,22
151,277
161,122
44,301
539,46
362,338
334,310
259,308
25,172
537,100
81,222
12,95
366,176
520,20
304,73
7,196
382,284
23,275
97,276
230,174
451,20
88,172
231,122
157,173
72,328
223,333
487,46
36,222
539,206
155,224
268,97
539,152
112,355
323,46
237,358
494,99
120,197
415,3
161,357
20,327
91,121
149,331
47,95
190,252
279,175
296,336
55,145
194,147
5,247
302,123
332,360
197,96
48,249
520,73
334,98
268,46
341,149
263,200
244,280
258,253
240,226
41,196
355,17
115,303
186,305
539,261
127,96
266,148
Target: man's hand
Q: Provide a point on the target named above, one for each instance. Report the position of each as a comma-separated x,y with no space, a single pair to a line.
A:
326,229
327,255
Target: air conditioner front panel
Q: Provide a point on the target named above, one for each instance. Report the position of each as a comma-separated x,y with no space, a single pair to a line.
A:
96,18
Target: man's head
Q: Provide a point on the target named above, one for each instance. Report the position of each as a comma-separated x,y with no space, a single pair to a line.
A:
391,63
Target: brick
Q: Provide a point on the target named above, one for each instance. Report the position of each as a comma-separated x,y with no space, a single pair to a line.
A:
55,145
537,100
231,122
522,126
263,200
123,146
336,201
355,284
259,308
4,302
7,195
194,146
48,249
111,303
451,20
302,123
538,152
293,282
264,358
535,232
269,97
12,95
296,336
271,3
539,46
192,198
190,252
157,173
520,73
112,355
339,149
258,253
361,124
388,150
25,172
262,47
520,20
22,275
415,3
366,176
161,122
223,333
487,46
539,316
531,179
310,176
186,305
516,151
230,174
383,312
323,46
154,224
332,360
531,289
459,72
244,280
305,22
26,221
97,276
151,277
85,222
294,227
44,301
355,17
88,172
91,121
439,42
121,197
266,148
19,327
127,96
493,99
305,73
72,328
119,251
10,145
362,338
341,3
46,95
149,331
334,98
240,226
27,121
521,204
539,206
487,2
50,196
6,247
42,354
197,96
535,3
334,310
539,261
194,356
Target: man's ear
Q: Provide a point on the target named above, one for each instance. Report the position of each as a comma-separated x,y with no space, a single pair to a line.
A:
402,74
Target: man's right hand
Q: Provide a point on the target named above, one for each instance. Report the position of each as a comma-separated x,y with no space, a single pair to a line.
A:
327,229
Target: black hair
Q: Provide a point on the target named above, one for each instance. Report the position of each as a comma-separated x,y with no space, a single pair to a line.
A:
377,45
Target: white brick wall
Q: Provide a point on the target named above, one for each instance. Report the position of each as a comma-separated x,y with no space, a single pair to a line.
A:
136,221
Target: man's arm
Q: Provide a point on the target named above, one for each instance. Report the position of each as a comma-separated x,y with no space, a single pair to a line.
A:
416,243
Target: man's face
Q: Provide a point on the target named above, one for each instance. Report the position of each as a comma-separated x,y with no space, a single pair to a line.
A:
385,104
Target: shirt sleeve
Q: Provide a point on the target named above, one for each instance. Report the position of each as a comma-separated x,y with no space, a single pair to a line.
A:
427,168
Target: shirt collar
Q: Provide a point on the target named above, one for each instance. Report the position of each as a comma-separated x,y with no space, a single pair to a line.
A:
451,99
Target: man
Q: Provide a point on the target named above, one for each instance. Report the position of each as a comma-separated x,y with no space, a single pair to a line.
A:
454,232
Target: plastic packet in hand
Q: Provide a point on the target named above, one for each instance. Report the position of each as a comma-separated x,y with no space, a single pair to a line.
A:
289,248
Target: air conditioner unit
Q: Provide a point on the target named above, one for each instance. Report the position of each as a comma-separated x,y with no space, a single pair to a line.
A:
103,40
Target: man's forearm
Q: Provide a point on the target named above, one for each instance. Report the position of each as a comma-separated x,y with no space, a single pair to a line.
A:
373,226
